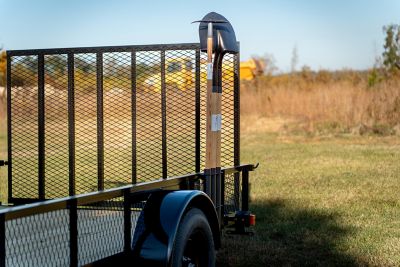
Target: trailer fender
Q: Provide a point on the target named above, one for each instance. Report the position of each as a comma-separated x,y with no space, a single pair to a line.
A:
158,223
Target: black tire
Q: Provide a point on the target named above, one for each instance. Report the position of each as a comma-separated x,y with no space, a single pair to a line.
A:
194,243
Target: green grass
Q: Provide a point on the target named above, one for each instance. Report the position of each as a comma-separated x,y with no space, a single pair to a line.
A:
330,201
327,201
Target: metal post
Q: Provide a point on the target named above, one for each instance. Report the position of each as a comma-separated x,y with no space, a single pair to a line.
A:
236,127
9,127
236,109
133,103
198,114
221,207
100,122
41,128
164,117
73,232
127,221
71,124
245,189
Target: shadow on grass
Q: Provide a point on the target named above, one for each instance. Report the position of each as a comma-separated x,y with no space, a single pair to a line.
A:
289,236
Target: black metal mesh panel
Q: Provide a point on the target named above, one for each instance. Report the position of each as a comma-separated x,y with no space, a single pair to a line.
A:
232,191
85,123
148,116
56,126
100,231
117,94
24,126
43,239
227,107
38,240
161,119
180,106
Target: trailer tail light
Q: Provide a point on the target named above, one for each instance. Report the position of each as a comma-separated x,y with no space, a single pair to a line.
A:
240,221
252,219
245,218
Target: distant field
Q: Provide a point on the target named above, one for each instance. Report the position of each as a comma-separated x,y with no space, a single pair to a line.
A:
326,101
320,201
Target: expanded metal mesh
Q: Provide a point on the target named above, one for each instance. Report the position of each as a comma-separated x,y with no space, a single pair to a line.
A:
232,192
85,122
43,239
117,105
101,229
38,240
228,125
112,116
24,113
180,111
56,126
148,116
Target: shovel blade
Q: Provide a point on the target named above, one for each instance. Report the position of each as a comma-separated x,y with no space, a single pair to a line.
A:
224,38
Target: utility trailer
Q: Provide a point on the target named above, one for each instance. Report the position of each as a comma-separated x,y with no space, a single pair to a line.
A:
102,172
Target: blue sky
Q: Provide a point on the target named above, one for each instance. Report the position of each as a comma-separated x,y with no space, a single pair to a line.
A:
328,34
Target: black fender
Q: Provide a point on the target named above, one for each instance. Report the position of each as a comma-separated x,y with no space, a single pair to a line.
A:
158,224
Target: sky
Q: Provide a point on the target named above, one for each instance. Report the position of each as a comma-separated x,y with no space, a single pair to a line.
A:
328,34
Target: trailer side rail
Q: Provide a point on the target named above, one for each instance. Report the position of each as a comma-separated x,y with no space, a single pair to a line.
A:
81,229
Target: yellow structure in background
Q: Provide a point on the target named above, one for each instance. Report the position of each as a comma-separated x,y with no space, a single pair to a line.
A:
251,68
179,74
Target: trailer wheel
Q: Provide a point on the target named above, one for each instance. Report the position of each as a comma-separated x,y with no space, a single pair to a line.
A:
194,244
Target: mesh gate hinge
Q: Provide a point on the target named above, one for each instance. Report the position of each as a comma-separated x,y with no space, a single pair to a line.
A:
3,163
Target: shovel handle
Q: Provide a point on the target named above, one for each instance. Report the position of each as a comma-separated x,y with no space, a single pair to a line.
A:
210,136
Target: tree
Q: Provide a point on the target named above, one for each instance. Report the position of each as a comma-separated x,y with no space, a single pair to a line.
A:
269,61
391,54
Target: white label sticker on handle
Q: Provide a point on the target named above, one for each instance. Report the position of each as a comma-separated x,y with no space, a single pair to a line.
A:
209,71
216,122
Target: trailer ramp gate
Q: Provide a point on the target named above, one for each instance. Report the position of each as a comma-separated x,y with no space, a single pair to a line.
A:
90,127
88,119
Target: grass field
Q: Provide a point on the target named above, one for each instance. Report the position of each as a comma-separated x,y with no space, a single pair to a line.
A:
320,201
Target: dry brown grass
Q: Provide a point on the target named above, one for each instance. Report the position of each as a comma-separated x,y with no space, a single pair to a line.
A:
324,102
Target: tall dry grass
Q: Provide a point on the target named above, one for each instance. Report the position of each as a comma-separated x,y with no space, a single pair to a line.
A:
325,100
